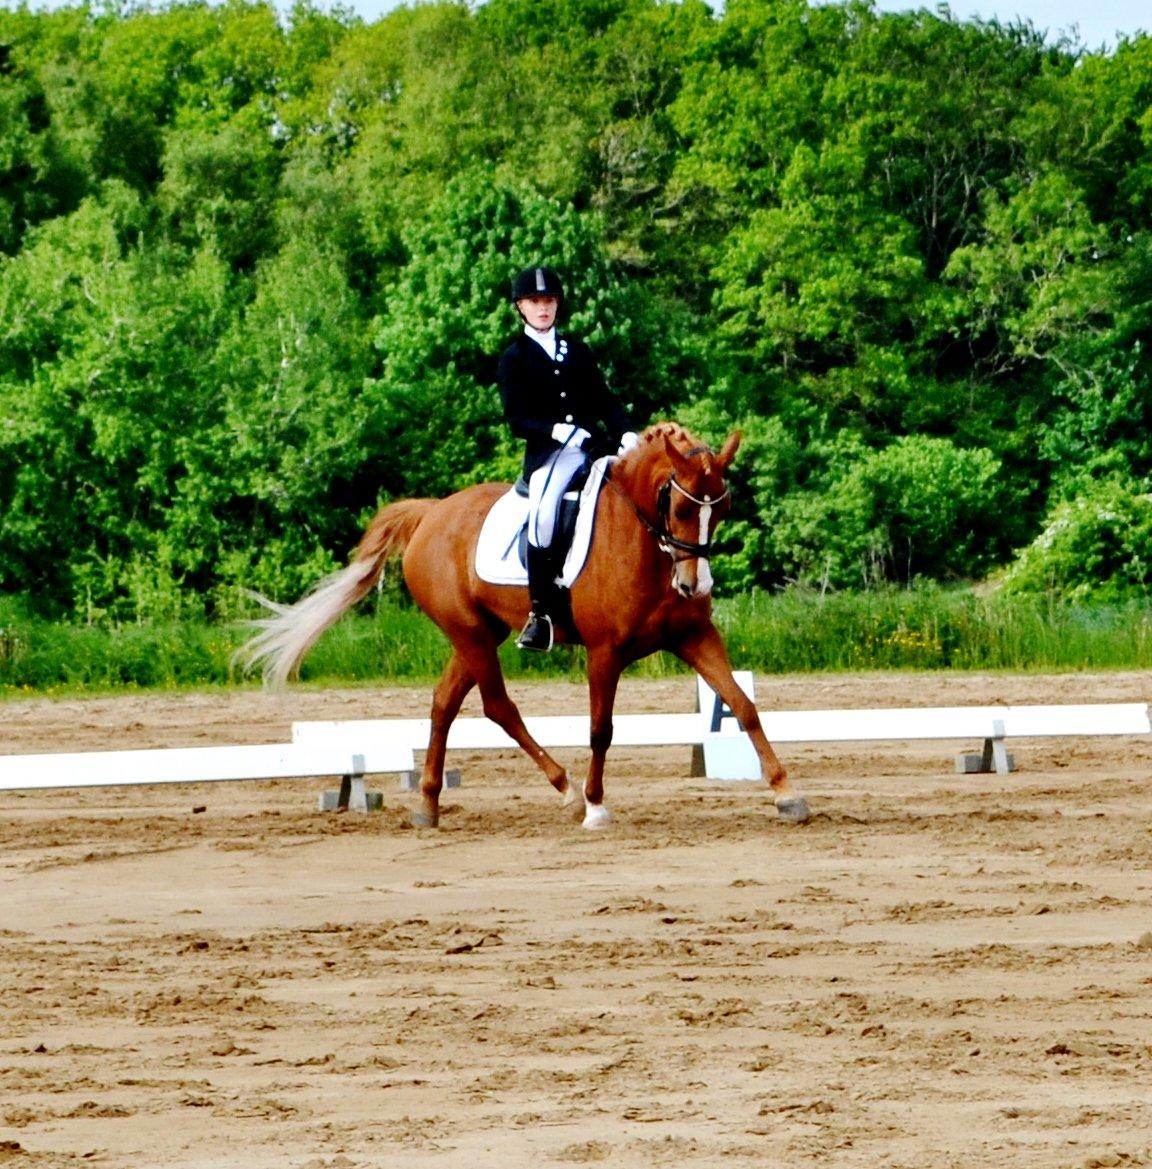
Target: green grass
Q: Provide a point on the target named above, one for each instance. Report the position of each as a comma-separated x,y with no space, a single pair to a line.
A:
793,632
932,629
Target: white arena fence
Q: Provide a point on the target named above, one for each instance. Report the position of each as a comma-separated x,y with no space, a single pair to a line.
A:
353,749
208,765
727,753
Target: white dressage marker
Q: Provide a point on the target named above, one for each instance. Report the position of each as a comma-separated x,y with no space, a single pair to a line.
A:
205,764
724,752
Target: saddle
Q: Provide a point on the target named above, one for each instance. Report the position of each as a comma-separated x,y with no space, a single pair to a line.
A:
500,549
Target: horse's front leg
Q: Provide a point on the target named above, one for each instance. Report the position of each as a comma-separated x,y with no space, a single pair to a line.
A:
706,654
603,678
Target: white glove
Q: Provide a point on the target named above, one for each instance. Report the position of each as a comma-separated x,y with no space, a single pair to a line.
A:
569,435
628,440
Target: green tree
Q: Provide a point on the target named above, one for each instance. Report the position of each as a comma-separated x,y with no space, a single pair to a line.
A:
45,159
219,190
253,272
101,368
285,478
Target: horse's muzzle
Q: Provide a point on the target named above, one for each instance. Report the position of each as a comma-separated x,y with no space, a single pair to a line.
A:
692,577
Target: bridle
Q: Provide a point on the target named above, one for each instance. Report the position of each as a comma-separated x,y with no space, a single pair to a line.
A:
661,528
663,533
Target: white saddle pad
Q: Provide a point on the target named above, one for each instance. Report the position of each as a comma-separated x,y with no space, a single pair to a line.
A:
497,549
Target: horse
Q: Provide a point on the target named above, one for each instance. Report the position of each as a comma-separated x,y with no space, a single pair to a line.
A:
646,586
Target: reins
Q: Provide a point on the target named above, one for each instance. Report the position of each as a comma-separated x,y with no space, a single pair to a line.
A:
661,530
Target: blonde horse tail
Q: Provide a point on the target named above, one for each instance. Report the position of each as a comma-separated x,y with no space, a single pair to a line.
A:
292,630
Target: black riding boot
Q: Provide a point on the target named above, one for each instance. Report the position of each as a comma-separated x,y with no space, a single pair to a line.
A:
538,633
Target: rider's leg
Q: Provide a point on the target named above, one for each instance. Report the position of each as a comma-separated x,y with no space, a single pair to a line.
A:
538,633
546,489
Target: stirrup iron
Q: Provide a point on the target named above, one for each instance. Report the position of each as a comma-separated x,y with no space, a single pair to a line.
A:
537,634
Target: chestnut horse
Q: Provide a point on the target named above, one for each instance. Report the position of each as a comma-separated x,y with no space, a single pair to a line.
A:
645,587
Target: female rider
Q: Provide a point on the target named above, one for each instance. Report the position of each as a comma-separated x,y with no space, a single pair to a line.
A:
556,399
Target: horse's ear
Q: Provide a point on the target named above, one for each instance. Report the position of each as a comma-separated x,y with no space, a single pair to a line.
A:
728,450
680,464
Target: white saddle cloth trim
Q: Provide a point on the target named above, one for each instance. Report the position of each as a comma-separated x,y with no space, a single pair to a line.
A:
497,549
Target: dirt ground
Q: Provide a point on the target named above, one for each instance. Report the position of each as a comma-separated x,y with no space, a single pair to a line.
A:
938,970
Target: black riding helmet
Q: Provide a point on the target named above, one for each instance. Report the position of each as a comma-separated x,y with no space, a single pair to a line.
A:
537,282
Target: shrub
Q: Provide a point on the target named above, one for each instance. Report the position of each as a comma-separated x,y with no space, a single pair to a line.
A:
919,508
1094,547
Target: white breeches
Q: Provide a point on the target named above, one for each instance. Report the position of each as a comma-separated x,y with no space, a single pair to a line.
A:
546,488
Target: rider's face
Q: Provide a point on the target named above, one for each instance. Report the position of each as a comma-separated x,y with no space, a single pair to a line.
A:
539,311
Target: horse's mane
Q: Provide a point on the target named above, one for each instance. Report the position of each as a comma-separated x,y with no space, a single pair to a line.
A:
651,444
679,436
651,439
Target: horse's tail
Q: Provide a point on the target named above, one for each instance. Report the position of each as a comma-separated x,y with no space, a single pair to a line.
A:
292,630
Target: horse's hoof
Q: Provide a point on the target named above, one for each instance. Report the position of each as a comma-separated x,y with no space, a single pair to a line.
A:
424,819
793,810
574,801
597,816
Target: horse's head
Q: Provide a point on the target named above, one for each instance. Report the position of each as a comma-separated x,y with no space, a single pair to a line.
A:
683,497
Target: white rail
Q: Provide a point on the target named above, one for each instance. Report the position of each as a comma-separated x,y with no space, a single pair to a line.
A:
352,749
200,765
728,753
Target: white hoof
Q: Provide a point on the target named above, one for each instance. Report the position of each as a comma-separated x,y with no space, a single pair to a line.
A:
597,816
574,800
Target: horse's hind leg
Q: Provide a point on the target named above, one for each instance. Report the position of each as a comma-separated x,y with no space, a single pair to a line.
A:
484,664
475,661
604,670
455,682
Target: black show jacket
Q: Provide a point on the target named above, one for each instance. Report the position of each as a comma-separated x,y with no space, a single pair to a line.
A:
538,392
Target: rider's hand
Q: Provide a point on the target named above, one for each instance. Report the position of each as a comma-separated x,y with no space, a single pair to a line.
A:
628,440
569,435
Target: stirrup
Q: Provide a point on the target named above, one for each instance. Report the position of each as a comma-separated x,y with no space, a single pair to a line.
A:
537,633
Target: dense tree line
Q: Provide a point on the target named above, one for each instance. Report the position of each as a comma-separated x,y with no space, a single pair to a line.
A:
252,280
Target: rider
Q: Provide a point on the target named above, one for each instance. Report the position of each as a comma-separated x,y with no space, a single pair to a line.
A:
554,397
